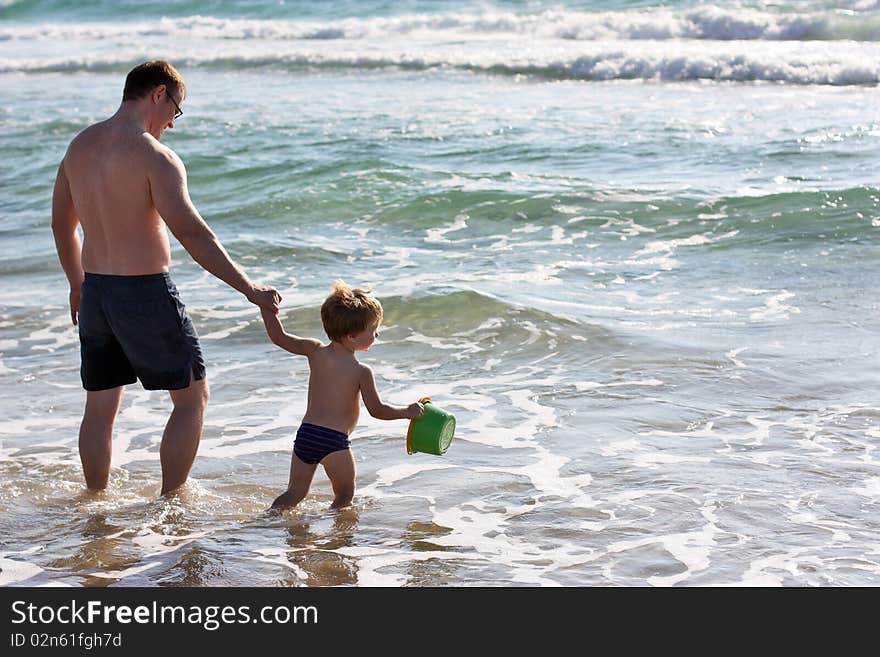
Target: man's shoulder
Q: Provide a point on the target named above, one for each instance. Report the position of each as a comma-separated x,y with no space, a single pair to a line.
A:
158,154
108,137
152,145
86,137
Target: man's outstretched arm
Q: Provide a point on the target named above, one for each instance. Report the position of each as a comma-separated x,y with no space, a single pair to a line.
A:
171,198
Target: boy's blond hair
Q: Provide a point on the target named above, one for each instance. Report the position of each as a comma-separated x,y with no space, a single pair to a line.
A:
348,311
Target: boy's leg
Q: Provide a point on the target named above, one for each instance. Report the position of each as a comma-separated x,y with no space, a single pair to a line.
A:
301,474
180,442
96,435
339,467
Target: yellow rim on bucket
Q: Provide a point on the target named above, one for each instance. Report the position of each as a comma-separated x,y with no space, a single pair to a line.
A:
433,437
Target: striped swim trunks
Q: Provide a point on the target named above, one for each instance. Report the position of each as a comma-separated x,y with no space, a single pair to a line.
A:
313,442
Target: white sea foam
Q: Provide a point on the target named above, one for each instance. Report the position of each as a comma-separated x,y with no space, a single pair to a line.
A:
671,245
774,307
375,563
131,576
691,549
771,570
225,333
281,559
870,488
18,569
476,527
390,475
438,234
702,22
732,355
58,332
583,386
844,62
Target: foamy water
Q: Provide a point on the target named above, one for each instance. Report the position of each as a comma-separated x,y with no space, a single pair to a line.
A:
633,250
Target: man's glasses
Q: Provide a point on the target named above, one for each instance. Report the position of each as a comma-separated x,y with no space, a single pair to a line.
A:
179,111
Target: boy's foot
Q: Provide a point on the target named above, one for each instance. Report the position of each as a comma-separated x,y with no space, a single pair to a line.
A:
285,501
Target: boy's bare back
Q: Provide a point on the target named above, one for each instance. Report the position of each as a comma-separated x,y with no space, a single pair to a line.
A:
335,377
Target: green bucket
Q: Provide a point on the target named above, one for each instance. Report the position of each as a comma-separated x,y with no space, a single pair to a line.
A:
432,432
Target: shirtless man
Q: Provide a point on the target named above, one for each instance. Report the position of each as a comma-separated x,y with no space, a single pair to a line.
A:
124,187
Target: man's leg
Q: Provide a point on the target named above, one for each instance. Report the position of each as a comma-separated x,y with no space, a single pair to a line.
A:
96,435
182,433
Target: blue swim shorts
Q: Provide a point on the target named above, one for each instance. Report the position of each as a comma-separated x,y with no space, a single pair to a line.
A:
136,327
313,442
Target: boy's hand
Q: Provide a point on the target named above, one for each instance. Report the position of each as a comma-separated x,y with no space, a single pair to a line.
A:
265,297
415,411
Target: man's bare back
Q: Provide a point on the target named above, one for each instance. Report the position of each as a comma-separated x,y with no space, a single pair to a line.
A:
108,168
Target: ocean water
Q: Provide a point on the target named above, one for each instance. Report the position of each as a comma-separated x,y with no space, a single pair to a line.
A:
633,246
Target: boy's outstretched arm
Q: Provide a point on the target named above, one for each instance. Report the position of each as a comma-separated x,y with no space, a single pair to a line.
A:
380,410
292,343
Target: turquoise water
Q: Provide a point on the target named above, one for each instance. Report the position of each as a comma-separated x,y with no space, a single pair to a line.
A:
633,248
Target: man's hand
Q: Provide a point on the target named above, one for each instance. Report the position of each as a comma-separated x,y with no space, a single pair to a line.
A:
74,304
265,297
